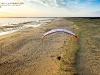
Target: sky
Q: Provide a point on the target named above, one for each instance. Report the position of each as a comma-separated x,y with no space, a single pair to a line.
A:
50,8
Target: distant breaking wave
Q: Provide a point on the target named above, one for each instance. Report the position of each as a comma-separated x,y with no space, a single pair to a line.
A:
10,26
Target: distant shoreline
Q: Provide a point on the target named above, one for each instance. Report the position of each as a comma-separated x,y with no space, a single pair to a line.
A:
16,26
53,17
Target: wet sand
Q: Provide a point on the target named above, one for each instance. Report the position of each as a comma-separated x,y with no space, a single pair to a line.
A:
24,53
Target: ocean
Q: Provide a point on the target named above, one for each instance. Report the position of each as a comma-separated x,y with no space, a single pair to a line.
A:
10,25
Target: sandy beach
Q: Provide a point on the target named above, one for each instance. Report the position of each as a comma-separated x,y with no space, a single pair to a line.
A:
24,53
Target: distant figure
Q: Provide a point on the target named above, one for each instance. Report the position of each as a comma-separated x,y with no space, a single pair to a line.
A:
59,57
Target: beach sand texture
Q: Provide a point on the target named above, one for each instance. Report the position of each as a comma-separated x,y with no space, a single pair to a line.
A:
24,53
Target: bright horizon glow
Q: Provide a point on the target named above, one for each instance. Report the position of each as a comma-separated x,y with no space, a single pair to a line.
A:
51,8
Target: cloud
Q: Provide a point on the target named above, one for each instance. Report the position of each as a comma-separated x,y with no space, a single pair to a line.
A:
67,4
96,13
93,14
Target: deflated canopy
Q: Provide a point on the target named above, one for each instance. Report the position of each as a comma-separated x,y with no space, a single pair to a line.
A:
59,30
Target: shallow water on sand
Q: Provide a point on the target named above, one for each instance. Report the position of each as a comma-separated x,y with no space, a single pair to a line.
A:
9,25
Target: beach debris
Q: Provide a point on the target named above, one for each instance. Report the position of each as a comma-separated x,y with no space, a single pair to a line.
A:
59,30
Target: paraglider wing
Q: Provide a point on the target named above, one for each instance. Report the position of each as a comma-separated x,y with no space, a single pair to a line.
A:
59,30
